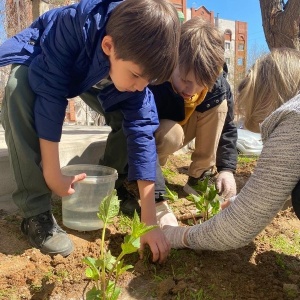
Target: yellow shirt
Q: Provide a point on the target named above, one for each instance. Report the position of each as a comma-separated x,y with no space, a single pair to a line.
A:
191,103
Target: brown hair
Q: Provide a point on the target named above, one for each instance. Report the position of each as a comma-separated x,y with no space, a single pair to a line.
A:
147,33
272,80
201,51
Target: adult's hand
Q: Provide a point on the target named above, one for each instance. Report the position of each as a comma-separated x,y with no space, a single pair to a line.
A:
226,184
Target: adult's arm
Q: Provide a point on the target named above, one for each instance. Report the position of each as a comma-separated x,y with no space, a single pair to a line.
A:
264,194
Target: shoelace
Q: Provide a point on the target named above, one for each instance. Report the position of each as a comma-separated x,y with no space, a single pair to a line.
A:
50,226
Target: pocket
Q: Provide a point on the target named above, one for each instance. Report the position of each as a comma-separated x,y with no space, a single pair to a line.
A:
31,39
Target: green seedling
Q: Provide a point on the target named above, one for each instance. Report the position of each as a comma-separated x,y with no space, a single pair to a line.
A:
246,159
207,201
106,270
168,174
171,195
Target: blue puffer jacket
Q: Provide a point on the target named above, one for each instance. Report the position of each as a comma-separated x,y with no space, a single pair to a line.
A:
63,51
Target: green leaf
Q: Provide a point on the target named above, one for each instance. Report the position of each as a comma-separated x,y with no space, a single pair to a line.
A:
202,185
130,247
89,273
92,271
109,207
171,195
112,291
99,263
109,261
215,208
139,228
89,261
200,207
193,198
211,194
94,294
121,269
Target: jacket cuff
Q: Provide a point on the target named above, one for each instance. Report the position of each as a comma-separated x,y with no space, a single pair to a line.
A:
219,169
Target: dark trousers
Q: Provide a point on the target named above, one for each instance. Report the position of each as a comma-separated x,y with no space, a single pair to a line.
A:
115,155
32,194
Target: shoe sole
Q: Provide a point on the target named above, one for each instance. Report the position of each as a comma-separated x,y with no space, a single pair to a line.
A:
63,253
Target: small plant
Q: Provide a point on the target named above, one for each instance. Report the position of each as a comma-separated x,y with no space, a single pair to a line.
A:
106,270
171,195
244,160
207,201
167,173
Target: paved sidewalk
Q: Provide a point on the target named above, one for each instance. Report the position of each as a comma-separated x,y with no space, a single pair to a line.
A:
79,145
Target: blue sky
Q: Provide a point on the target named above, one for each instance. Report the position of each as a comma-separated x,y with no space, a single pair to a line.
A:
247,11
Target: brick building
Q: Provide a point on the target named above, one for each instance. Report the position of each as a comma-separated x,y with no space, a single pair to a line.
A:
181,8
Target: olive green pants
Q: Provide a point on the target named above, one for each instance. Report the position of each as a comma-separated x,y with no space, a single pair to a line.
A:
32,194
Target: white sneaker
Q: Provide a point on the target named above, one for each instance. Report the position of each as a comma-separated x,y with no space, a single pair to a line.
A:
164,215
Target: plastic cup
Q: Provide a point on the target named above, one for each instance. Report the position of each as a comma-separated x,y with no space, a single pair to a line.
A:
79,210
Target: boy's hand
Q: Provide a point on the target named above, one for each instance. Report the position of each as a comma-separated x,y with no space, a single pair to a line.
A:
57,182
158,243
63,185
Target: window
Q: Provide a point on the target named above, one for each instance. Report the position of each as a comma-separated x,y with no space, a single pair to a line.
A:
240,61
227,45
241,47
227,60
227,35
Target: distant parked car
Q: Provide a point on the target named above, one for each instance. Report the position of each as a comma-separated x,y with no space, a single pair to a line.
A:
248,142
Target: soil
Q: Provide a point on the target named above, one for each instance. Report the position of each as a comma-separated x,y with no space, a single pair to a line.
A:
258,271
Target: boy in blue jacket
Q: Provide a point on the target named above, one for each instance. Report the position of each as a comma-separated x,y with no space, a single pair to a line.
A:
117,47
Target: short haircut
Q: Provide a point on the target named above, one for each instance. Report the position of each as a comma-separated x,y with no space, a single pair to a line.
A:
273,79
147,33
201,51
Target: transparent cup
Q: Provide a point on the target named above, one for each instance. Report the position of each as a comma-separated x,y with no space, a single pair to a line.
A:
79,210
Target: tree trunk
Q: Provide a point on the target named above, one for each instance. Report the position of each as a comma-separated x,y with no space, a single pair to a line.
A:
281,23
39,7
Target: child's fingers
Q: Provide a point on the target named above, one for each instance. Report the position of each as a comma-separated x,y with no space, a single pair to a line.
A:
155,252
71,190
74,179
79,177
164,252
